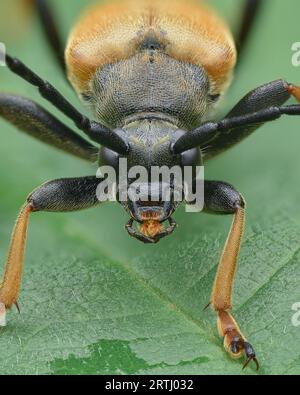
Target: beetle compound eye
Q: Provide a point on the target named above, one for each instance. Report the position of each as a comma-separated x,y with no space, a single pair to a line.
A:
87,97
214,98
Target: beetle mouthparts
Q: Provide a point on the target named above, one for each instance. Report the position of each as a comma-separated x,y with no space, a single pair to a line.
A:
150,230
151,227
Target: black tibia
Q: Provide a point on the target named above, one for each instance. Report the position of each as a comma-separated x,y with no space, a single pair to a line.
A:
50,28
94,130
263,104
221,198
32,119
249,16
66,194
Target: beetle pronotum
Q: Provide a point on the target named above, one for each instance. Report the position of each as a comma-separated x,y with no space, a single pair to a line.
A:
152,65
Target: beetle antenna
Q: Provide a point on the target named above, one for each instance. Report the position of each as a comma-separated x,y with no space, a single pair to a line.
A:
211,130
94,130
49,26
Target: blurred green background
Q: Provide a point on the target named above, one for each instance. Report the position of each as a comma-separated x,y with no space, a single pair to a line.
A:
95,301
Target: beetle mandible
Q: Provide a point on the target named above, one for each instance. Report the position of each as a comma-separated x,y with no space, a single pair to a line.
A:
152,72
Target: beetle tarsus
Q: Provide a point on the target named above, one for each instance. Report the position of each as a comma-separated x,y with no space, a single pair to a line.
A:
234,341
251,356
238,344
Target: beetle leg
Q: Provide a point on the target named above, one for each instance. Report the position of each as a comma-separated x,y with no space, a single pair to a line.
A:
94,130
270,95
234,341
31,118
50,28
250,13
70,194
263,104
222,198
221,299
14,265
294,90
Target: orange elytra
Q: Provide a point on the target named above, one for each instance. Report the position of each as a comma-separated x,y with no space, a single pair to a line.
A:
113,31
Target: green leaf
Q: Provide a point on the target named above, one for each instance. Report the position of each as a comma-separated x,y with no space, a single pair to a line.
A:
95,301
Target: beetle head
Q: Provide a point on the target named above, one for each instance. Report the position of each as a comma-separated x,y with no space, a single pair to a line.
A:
151,200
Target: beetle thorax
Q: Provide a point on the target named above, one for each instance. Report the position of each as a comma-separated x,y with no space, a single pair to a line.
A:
150,82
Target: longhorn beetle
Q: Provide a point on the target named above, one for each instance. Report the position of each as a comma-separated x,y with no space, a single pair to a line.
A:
151,71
